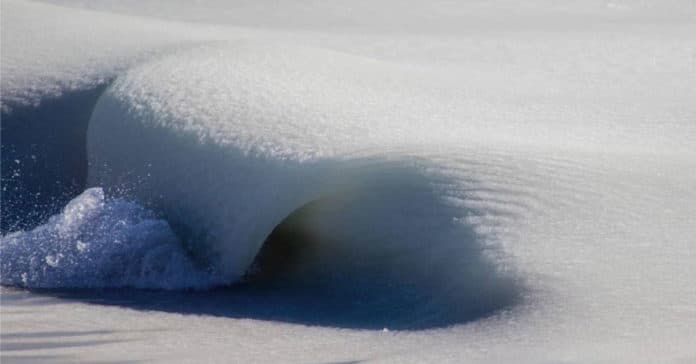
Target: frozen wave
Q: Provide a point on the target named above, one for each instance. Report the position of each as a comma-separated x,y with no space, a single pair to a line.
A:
270,129
552,140
356,203
356,209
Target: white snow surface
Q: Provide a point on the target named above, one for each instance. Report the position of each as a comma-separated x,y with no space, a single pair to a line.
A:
99,244
471,151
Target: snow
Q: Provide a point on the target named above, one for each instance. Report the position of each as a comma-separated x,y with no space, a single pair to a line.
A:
508,182
97,243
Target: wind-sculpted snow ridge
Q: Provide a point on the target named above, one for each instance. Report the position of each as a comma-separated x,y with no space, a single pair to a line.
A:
271,171
519,177
274,145
226,142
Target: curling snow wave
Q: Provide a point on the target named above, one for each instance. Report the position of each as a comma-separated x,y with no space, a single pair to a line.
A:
250,139
233,146
528,167
230,147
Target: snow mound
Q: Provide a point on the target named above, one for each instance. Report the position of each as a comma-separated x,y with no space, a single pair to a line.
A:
265,131
528,169
97,242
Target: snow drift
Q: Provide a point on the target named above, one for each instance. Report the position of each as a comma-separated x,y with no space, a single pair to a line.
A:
281,128
284,131
520,176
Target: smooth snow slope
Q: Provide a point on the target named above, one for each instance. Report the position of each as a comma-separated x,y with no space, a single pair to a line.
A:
511,182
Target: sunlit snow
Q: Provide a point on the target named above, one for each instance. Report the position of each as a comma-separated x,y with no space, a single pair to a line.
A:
326,181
